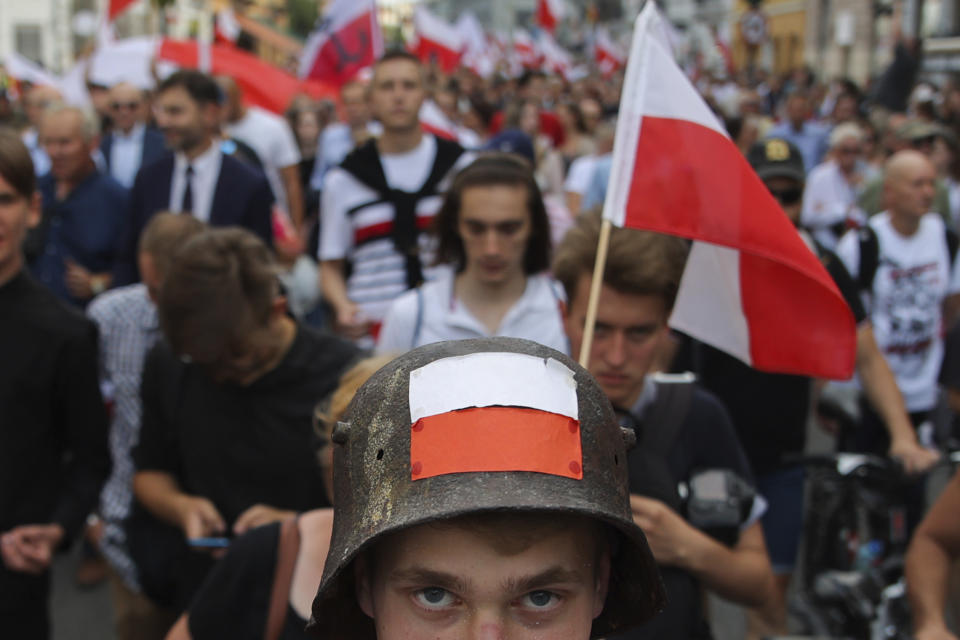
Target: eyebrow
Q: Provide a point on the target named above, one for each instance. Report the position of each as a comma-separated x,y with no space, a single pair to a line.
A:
552,576
424,576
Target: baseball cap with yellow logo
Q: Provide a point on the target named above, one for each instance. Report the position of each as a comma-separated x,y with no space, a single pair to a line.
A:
776,158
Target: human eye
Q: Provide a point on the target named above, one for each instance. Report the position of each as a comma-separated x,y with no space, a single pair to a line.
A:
434,598
540,600
474,228
510,228
639,334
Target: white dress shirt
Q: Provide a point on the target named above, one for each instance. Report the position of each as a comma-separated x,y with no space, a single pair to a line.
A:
206,171
126,153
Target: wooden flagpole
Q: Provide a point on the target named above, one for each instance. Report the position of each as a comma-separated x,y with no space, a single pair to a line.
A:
598,268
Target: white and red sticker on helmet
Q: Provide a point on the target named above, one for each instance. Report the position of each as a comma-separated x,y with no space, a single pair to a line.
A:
494,412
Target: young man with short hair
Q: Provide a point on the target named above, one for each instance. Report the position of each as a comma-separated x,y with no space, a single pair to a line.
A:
377,203
453,524
494,231
53,423
226,441
682,430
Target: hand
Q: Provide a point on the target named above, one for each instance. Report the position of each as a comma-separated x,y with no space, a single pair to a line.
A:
670,537
30,548
257,515
914,457
199,518
350,322
938,632
78,280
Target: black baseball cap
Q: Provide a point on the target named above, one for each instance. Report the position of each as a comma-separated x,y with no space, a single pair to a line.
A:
777,158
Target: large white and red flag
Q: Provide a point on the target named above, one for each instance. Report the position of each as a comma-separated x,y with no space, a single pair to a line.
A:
437,41
550,13
751,286
608,55
347,39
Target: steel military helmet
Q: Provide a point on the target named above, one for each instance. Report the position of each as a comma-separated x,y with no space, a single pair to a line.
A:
473,426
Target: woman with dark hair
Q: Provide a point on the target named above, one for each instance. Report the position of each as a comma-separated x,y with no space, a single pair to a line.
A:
494,232
576,138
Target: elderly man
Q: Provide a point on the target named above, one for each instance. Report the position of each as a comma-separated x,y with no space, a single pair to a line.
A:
830,197
83,209
131,144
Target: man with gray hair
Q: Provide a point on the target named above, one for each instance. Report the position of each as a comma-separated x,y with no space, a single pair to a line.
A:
830,199
73,249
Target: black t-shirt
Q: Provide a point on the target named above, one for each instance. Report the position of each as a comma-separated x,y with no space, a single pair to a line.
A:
235,598
241,445
705,440
769,410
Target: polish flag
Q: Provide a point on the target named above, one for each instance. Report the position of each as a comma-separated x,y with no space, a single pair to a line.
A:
526,49
347,40
751,286
494,412
435,121
116,7
478,52
436,40
227,29
549,13
607,53
555,58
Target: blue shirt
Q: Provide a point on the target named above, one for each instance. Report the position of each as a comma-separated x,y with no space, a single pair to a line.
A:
812,140
597,190
84,227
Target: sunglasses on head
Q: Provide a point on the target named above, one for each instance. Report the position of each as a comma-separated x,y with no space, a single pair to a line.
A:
787,196
116,106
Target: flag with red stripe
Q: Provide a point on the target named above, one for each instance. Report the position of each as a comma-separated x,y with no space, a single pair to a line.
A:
494,412
116,7
436,40
751,286
347,39
550,13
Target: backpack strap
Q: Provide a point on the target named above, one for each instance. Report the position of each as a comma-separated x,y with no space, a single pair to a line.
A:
953,243
668,412
869,258
288,546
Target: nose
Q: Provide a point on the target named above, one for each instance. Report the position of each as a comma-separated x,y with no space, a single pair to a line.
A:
615,354
491,243
488,627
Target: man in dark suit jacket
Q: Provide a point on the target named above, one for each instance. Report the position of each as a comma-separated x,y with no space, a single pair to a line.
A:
197,178
132,144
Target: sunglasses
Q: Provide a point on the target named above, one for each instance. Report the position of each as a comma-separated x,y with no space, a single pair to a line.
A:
787,196
130,106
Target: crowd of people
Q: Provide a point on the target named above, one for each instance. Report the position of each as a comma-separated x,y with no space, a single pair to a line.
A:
191,288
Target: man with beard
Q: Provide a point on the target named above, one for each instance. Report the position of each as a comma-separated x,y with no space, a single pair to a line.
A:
198,178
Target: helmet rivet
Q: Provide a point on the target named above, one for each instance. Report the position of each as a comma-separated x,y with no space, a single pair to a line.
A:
341,432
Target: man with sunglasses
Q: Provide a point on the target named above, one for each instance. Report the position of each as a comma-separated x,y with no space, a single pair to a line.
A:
770,411
830,197
131,143
226,441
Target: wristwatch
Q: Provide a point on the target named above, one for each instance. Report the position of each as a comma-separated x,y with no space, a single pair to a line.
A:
98,284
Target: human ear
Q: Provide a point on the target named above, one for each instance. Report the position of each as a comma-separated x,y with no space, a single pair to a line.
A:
361,579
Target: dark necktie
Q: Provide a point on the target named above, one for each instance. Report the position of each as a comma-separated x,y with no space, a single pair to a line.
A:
187,206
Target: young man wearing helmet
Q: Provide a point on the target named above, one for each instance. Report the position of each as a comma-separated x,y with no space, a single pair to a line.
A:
482,493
